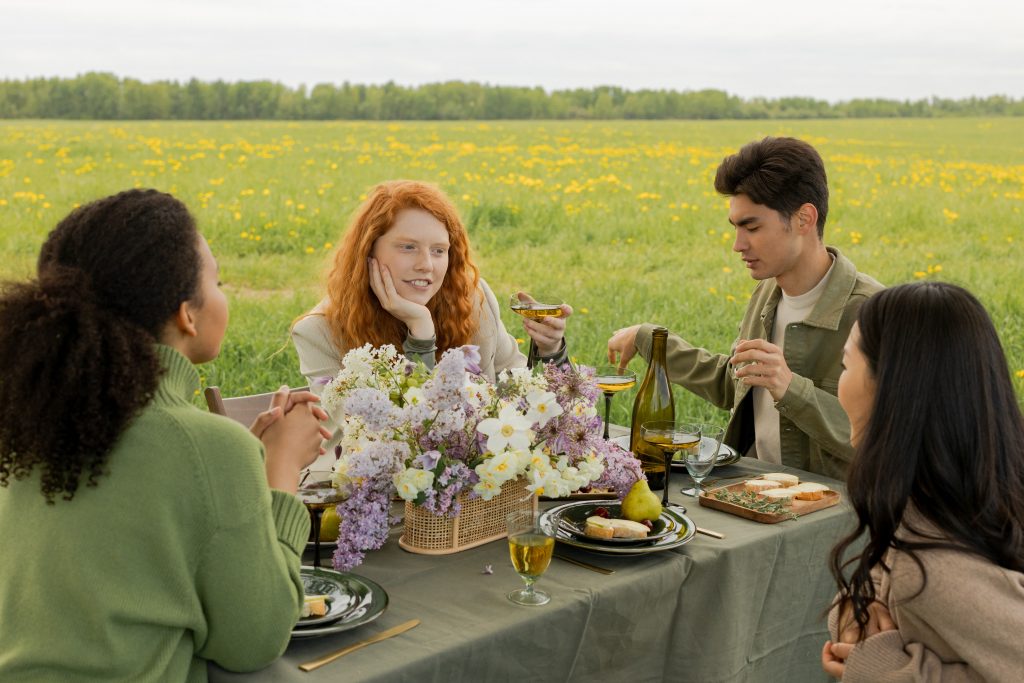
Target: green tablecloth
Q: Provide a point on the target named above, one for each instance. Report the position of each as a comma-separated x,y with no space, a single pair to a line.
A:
746,608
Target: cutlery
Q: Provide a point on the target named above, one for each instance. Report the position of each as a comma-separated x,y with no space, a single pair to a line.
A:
709,532
383,635
585,565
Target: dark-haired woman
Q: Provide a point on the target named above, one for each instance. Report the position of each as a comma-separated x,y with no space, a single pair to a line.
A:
140,535
937,592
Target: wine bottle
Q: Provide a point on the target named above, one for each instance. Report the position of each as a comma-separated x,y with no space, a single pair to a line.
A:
653,401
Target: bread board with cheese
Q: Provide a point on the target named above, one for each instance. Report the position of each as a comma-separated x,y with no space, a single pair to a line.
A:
791,499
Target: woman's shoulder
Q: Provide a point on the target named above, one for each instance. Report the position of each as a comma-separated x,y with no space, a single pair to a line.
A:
949,570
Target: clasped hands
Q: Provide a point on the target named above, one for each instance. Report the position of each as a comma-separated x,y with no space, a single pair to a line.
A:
292,434
757,362
834,655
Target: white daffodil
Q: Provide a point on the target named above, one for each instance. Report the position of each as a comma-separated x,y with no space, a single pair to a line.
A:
509,429
411,482
500,468
487,489
543,407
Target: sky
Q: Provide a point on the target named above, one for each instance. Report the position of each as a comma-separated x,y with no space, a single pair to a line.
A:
901,49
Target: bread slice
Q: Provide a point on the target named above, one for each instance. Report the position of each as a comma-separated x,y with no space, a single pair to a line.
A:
783,495
314,606
758,485
782,478
810,490
625,528
599,527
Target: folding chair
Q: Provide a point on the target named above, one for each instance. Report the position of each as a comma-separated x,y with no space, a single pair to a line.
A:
243,409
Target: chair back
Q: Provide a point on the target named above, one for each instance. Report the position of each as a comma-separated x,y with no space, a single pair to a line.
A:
243,409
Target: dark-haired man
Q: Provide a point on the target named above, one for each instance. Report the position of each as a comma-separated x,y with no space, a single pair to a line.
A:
780,380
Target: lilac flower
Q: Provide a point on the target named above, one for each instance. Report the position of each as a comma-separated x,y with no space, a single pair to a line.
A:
427,460
373,406
621,469
444,390
471,357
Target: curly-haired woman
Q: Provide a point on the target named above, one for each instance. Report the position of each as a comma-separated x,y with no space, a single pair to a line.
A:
404,276
141,535
937,590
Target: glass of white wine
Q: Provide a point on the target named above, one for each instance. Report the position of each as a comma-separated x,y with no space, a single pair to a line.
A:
317,493
611,380
530,547
700,461
537,305
671,436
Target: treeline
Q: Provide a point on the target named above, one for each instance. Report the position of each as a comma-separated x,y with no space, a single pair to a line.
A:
105,96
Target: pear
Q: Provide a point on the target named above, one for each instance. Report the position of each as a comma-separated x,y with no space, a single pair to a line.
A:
640,504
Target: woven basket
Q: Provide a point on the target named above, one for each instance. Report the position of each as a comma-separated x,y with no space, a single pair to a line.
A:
478,522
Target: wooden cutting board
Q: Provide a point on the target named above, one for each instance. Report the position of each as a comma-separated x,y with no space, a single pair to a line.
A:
798,507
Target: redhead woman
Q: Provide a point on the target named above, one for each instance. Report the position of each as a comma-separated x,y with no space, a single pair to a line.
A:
935,592
142,536
404,276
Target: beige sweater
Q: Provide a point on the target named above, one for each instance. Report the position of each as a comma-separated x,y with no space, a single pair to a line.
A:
966,625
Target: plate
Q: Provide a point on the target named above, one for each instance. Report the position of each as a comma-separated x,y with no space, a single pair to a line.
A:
686,530
355,600
727,455
574,520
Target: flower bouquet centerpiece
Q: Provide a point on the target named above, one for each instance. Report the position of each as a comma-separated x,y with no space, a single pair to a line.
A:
446,438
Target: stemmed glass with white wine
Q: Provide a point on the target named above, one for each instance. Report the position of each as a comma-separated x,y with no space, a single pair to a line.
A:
530,547
611,380
543,305
671,436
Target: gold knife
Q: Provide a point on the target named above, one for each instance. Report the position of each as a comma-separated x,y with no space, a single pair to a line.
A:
709,532
585,565
383,635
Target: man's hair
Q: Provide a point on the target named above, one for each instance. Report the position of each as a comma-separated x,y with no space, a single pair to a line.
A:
780,173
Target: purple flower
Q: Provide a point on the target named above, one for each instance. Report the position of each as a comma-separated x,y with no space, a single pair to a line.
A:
471,357
427,460
373,406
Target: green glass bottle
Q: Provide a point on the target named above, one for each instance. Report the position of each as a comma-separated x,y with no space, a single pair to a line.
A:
653,401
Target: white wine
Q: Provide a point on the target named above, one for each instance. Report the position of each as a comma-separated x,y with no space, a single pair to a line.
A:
529,309
673,442
613,384
531,553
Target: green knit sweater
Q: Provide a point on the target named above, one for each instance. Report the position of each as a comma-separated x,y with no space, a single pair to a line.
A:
181,554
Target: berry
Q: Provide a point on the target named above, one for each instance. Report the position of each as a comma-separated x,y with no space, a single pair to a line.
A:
602,512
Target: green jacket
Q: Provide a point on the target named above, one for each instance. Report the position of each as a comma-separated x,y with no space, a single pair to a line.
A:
180,554
813,428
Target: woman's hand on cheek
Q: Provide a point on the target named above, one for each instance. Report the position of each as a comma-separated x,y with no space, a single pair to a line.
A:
548,332
415,316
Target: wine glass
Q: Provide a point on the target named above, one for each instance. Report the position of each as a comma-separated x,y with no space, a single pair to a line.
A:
538,305
317,493
671,436
530,547
700,461
611,380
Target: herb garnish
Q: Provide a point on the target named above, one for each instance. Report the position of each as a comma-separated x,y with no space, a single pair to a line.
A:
750,500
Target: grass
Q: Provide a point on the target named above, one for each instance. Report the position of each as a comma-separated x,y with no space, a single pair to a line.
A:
619,217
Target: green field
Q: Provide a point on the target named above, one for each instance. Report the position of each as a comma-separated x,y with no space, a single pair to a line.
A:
619,217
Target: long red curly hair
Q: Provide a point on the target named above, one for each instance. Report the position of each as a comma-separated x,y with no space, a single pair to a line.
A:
353,312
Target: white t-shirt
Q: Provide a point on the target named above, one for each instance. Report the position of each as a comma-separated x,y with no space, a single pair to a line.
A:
791,309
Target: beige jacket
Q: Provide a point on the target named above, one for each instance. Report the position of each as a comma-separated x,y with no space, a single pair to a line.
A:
966,625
